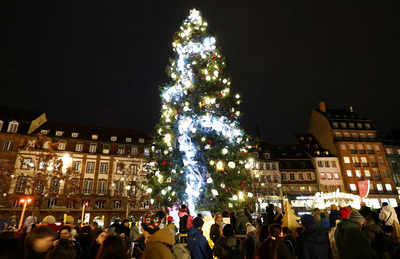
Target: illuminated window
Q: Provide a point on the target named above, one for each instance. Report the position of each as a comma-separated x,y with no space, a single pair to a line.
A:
87,186
103,167
379,187
343,125
353,187
333,164
358,173
367,173
79,147
351,125
359,125
59,133
90,167
336,176
327,164
388,187
389,151
320,164
8,145
364,159
141,140
343,146
121,149
62,145
367,125
77,166
346,160
12,127
102,186
44,132
75,134
349,174
95,137
355,159
134,150
113,138
128,140
92,148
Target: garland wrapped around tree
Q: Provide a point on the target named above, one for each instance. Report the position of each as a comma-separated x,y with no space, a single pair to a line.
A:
200,154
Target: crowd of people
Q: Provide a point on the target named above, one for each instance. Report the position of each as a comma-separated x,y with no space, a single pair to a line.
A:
337,233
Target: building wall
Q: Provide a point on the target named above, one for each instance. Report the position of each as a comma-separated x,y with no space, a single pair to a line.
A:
393,157
266,178
321,129
328,174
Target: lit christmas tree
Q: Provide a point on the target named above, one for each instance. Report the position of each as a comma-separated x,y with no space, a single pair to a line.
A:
199,155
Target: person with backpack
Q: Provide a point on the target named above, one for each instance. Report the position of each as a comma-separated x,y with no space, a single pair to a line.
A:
228,246
197,243
160,241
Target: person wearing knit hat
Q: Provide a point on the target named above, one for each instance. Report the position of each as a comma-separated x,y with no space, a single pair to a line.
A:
356,217
197,243
345,212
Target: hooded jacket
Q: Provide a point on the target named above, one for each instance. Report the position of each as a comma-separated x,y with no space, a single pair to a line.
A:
314,243
198,245
388,215
159,245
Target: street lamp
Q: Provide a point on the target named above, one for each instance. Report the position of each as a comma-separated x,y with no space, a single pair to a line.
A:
25,201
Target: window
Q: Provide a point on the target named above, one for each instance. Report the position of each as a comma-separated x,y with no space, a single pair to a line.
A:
358,173
134,150
362,135
90,167
62,145
95,137
92,148
119,187
268,178
377,149
21,184
301,177
79,147
309,176
1,125
320,164
335,124
42,165
102,186
117,204
379,187
283,177
291,176
354,135
338,134
388,187
389,151
87,186
359,125
367,125
51,203
367,173
55,185
44,132
364,159
329,176
355,159
349,174
39,186
114,138
141,140
346,160
106,149
351,125
103,167
343,147
27,163
371,135
346,135
8,146
134,169
267,155
336,176
74,185
59,133
99,204
12,127
322,176
380,160
333,163
343,125
327,164
353,187
146,152
77,166
121,149
128,140
74,134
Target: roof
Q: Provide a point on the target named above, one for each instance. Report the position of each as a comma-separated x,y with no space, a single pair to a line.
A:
292,164
23,117
87,131
311,145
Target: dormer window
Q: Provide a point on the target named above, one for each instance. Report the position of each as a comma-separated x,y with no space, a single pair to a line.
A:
12,127
327,152
59,133
74,134
113,138
367,125
267,155
359,125
95,137
141,140
1,125
351,125
317,152
335,124
44,132
343,125
128,140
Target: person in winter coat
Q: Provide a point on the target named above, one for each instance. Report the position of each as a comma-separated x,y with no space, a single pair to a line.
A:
274,247
197,243
216,228
240,224
113,247
388,215
345,212
351,242
38,242
249,244
364,210
228,246
160,240
314,244
334,216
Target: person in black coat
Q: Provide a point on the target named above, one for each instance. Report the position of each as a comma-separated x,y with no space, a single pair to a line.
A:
313,244
334,215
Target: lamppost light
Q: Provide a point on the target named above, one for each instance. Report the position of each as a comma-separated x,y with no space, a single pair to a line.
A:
22,200
29,200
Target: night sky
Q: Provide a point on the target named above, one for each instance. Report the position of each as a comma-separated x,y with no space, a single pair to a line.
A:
101,62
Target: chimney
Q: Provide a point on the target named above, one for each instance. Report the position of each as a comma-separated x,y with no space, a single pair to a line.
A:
322,106
351,109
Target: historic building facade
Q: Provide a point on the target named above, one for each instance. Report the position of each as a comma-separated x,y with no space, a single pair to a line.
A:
64,166
353,139
327,165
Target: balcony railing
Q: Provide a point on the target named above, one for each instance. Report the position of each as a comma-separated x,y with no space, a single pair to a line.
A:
361,151
353,151
357,164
